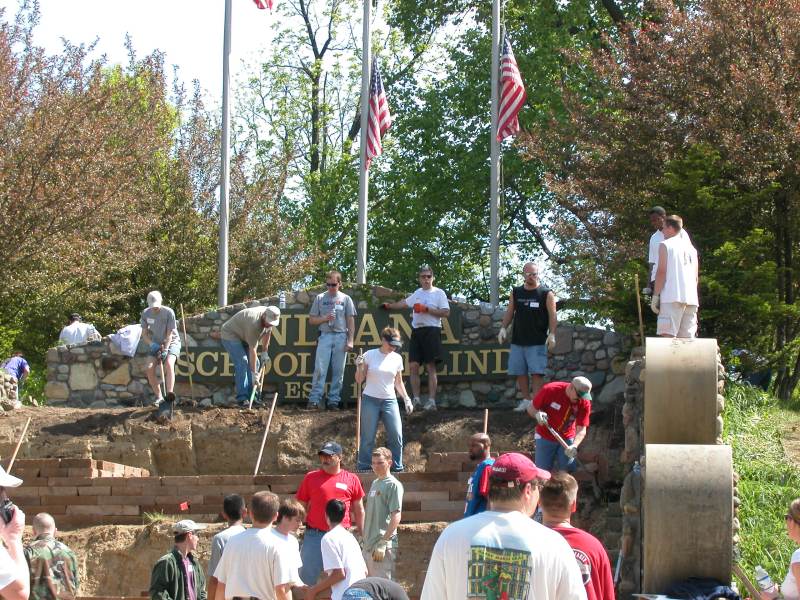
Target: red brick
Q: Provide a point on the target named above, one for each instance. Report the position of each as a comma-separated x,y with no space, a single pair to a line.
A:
74,481
107,510
75,463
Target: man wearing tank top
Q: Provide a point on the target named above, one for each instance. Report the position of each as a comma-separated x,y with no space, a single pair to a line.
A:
675,298
532,306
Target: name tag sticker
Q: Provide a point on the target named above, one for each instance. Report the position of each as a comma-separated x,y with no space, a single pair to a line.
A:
372,493
534,305
341,486
150,321
555,405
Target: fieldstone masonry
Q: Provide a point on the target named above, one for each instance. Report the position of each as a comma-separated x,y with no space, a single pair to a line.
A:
8,391
97,375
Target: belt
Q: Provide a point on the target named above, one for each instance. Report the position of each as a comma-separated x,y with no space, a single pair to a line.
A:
315,529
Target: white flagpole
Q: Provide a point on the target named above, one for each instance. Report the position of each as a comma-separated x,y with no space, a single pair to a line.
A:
494,242
363,174
225,163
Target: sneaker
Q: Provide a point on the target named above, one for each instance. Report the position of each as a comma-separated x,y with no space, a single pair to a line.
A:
332,407
417,402
430,404
522,406
157,402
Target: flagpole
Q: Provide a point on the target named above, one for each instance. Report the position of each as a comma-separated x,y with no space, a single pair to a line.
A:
494,242
225,163
363,173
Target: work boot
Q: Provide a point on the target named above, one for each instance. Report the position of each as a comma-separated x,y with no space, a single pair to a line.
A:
312,406
429,405
522,406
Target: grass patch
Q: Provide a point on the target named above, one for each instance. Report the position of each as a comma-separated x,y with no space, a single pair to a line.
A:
768,482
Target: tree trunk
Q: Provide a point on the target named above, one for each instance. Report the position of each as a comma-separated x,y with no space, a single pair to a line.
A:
314,156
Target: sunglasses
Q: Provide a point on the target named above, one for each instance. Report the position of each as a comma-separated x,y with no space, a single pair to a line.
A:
530,274
331,284
428,276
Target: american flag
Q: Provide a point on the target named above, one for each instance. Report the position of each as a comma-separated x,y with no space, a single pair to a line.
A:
379,118
512,94
262,4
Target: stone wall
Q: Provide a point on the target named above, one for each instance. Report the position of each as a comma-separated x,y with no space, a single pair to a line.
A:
8,391
96,374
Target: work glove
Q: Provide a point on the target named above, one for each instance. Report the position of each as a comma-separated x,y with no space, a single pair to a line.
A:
264,358
254,376
647,291
655,303
155,349
541,417
419,307
385,306
502,335
379,552
551,341
359,360
409,405
571,452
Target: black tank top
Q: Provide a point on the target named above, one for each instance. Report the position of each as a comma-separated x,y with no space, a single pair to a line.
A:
530,316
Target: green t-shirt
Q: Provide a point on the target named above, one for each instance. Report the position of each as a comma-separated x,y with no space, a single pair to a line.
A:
244,326
385,497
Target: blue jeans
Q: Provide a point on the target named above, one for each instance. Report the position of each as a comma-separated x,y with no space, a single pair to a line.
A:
550,455
374,410
356,594
241,368
330,352
311,555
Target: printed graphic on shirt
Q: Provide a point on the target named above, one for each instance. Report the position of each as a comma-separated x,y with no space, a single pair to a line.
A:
498,573
529,302
584,565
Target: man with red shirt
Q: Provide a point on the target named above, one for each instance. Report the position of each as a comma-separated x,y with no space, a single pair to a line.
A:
558,500
331,482
566,408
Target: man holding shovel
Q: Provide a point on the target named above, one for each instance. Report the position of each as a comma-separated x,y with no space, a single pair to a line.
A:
240,336
561,410
160,331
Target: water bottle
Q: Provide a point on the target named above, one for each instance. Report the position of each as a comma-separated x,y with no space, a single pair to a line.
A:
282,300
765,582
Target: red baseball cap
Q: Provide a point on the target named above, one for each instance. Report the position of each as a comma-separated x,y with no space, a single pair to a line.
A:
518,468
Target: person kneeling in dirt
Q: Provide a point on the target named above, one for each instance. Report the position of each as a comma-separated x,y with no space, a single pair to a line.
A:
160,330
178,575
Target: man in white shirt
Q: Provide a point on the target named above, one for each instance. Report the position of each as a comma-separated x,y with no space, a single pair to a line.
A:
675,298
341,556
253,564
290,517
77,332
234,511
430,306
502,550
14,574
657,215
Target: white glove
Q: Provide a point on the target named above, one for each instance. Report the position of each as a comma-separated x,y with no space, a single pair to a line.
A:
551,341
655,303
409,405
571,452
541,417
359,360
502,335
254,376
265,359
380,551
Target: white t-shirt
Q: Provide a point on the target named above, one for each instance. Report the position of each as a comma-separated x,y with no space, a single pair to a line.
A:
7,568
652,254
218,543
340,550
789,585
432,298
680,284
252,565
290,549
381,371
508,550
76,333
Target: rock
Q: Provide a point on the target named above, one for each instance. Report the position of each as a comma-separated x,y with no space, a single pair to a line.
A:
563,341
481,387
206,403
597,378
612,392
467,399
98,404
471,316
303,297
600,354
184,390
610,338
52,355
82,376
219,398
119,376
486,308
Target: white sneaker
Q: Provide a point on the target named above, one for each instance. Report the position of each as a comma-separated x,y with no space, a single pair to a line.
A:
157,402
430,404
417,402
522,406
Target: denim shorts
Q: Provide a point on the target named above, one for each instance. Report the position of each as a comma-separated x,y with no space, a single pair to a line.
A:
527,360
356,594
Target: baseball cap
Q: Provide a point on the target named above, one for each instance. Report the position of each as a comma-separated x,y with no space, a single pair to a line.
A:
272,315
154,299
657,210
330,448
514,467
186,525
583,387
7,480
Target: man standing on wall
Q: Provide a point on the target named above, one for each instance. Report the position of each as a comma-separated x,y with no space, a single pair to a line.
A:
480,448
331,482
335,314
160,330
657,215
532,306
675,298
430,306
384,505
239,336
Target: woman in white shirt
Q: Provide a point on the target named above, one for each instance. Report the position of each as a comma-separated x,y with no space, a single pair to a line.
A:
789,587
382,368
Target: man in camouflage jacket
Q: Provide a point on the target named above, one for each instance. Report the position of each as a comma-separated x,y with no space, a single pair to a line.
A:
53,567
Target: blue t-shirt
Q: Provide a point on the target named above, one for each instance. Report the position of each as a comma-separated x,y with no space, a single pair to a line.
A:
16,366
475,502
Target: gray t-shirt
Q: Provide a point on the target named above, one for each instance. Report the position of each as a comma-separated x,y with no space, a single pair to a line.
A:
218,545
385,497
244,326
341,304
159,322
380,589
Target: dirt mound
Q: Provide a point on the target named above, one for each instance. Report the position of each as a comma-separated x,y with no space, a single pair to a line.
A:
226,440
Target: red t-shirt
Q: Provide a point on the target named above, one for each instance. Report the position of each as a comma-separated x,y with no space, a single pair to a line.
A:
318,488
592,561
562,415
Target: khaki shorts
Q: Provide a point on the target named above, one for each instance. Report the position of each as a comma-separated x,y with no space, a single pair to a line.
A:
677,319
